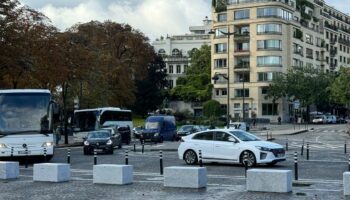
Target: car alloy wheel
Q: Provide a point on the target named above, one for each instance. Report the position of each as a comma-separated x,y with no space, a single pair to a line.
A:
251,160
190,157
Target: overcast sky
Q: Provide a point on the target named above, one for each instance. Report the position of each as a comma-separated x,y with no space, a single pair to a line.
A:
154,18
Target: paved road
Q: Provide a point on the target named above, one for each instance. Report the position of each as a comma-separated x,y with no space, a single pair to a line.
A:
319,178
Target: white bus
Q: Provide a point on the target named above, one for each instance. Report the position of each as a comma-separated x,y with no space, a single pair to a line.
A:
94,119
26,123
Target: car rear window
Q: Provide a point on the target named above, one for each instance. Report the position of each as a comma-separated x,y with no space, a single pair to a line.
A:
204,136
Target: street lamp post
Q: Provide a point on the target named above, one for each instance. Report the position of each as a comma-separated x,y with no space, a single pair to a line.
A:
227,77
243,115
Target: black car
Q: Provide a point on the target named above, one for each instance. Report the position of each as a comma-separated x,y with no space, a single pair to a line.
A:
188,129
124,132
103,140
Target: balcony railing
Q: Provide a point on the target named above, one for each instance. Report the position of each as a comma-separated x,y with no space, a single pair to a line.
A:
237,2
343,41
242,50
245,66
333,53
333,41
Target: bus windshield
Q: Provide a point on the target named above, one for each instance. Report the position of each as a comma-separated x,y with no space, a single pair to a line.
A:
24,112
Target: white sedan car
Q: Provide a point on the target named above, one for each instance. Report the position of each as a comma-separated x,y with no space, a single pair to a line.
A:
229,145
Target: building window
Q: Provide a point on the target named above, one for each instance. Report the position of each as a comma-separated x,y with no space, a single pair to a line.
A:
242,14
224,92
185,68
171,84
219,63
222,17
298,49
161,52
219,32
264,90
274,12
178,69
171,69
269,109
242,62
309,39
266,76
242,46
221,48
269,29
309,53
269,61
241,92
221,92
175,52
269,45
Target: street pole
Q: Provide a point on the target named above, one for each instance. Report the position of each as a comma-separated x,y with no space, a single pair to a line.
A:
228,82
243,99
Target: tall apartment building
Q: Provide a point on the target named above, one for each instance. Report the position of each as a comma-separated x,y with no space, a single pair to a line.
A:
269,37
176,52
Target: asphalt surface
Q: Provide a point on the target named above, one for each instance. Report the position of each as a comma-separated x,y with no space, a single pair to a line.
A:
320,177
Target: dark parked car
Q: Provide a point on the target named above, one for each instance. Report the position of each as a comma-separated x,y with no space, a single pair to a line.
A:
137,131
124,132
188,129
103,140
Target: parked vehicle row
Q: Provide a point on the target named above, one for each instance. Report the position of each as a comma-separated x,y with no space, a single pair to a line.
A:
327,119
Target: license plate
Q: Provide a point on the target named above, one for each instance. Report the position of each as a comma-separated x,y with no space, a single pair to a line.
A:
99,150
23,152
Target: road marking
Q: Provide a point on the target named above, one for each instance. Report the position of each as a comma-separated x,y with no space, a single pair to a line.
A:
319,190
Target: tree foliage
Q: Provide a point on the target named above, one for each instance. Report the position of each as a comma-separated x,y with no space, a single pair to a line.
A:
212,109
196,86
340,88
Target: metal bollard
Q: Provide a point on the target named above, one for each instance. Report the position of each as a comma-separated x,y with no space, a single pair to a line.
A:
302,149
161,162
68,156
11,153
287,144
126,157
26,162
267,135
296,165
245,162
349,164
200,158
307,151
143,146
95,157
134,147
345,147
45,151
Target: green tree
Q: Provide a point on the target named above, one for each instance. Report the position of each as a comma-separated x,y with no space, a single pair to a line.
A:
196,86
212,109
340,88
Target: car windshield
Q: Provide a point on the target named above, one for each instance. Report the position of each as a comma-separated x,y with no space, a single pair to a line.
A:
244,136
185,128
99,134
152,125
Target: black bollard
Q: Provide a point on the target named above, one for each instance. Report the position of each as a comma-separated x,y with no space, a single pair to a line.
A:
245,162
26,161
286,144
349,164
161,162
68,156
95,157
307,151
143,146
345,147
200,158
267,135
45,154
296,165
302,149
134,147
126,157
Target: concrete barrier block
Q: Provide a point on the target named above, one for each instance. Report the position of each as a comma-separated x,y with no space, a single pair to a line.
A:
113,174
269,180
185,177
346,183
51,172
9,170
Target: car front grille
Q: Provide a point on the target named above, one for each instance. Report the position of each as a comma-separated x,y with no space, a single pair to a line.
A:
277,152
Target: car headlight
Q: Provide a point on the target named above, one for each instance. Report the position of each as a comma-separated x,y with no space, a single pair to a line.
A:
263,148
109,142
156,134
47,144
2,146
86,143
